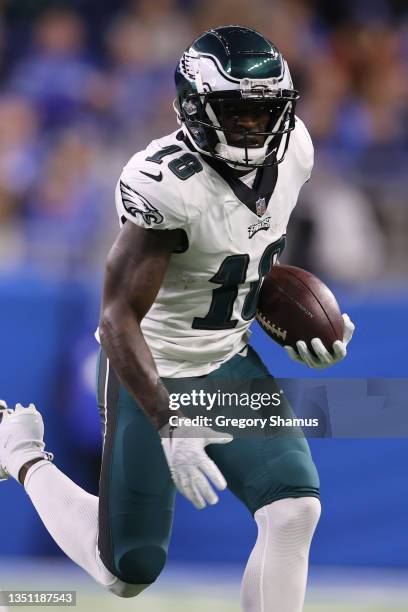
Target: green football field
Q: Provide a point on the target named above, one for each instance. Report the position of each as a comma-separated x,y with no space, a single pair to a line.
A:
209,589
200,603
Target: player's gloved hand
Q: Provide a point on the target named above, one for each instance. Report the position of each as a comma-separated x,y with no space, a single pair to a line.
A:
191,468
323,358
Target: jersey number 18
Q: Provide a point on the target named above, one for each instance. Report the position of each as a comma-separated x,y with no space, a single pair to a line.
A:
231,273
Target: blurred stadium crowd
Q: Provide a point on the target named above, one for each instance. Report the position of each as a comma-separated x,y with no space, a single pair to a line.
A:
85,84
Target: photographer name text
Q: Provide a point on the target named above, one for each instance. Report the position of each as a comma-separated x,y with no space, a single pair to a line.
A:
241,423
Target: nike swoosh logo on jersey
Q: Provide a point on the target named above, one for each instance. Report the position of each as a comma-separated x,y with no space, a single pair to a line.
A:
155,177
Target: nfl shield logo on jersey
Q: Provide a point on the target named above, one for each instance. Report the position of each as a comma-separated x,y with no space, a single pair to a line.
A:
260,206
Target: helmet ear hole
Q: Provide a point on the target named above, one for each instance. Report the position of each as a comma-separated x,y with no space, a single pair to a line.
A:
191,107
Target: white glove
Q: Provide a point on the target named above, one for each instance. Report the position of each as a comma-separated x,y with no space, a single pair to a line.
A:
324,359
190,466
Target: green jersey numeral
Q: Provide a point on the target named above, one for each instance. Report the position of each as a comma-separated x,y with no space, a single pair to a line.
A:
183,167
232,272
157,158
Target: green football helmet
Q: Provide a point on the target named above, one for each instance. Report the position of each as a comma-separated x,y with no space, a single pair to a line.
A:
234,67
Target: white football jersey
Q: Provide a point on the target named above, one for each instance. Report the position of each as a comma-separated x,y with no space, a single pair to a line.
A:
234,229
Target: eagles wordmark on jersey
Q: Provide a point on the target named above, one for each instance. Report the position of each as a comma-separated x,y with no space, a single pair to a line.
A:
234,229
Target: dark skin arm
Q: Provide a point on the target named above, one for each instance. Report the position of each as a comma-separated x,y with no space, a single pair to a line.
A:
136,266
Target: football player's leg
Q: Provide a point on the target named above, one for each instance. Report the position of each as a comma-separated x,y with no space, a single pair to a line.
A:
69,513
276,479
276,573
136,496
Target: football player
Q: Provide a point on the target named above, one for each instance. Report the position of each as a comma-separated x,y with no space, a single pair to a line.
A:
203,215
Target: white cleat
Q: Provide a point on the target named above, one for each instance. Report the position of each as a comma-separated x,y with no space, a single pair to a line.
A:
21,438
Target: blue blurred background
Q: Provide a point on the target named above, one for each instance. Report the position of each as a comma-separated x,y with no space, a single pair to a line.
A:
83,86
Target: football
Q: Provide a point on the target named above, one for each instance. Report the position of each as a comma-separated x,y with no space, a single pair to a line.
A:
296,305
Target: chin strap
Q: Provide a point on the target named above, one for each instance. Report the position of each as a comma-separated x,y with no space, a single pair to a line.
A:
241,155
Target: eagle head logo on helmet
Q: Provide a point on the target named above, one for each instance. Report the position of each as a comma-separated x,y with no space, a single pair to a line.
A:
234,67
